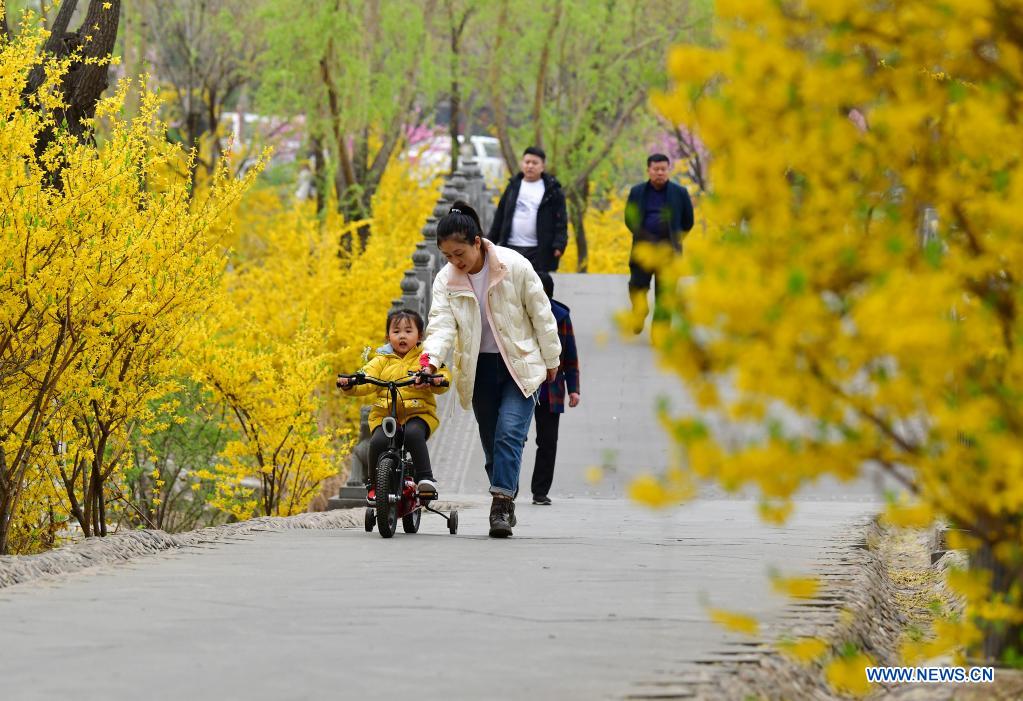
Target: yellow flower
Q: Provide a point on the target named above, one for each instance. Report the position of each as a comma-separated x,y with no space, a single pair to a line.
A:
796,587
902,515
738,622
849,674
804,649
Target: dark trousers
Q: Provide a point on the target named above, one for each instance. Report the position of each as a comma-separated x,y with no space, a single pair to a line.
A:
546,448
639,282
530,253
415,432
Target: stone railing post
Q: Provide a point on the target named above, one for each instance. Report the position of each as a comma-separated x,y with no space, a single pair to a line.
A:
353,494
411,292
473,183
422,263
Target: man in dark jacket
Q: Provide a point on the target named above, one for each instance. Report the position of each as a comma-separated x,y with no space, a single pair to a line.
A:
551,404
658,212
531,216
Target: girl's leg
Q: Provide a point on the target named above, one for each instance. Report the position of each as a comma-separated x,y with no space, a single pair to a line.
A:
416,433
377,445
515,413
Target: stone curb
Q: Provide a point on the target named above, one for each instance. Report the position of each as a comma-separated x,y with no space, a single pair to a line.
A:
95,552
855,606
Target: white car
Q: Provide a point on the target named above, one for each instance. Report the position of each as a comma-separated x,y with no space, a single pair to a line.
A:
433,156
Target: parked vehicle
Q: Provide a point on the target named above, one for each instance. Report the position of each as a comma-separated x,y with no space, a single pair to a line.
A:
433,157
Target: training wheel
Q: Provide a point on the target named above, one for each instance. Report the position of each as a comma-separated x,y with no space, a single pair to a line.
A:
371,519
453,522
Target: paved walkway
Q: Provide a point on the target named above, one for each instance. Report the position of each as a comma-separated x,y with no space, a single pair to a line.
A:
593,598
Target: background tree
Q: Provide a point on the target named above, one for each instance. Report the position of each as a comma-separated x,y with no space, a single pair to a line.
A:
207,51
573,77
458,16
361,72
85,54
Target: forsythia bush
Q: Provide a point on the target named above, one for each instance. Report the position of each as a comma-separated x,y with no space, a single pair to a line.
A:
607,239
125,292
297,306
101,280
834,126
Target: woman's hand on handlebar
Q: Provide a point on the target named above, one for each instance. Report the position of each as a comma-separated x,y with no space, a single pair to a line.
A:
427,378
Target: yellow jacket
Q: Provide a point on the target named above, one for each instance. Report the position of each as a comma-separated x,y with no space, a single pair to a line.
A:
421,403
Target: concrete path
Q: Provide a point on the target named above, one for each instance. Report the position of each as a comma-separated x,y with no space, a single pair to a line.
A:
593,598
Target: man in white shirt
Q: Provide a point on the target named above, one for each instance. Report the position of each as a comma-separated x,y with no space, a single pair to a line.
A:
531,217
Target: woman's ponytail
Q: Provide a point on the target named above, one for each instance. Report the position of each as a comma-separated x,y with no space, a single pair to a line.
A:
461,223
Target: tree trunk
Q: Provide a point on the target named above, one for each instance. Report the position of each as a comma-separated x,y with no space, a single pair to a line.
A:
319,173
213,117
496,98
193,130
86,78
541,77
578,202
5,520
456,92
1001,639
453,127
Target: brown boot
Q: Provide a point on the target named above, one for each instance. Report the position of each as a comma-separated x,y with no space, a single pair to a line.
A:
500,524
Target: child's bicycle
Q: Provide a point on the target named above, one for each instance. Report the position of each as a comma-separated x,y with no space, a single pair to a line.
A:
396,495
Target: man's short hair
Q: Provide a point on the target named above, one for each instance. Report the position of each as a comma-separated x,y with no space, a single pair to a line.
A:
657,158
535,151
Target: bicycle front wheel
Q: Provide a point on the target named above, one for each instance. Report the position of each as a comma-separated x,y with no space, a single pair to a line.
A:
387,510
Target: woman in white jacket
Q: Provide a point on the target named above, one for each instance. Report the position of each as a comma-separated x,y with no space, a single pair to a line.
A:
490,311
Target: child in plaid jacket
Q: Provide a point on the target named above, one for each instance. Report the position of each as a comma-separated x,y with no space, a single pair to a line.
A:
552,399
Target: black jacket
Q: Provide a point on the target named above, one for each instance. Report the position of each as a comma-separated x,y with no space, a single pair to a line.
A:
551,220
680,221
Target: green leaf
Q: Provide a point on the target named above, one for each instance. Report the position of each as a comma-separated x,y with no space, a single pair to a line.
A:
797,282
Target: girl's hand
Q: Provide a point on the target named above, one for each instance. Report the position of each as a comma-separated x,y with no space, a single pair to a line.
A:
343,382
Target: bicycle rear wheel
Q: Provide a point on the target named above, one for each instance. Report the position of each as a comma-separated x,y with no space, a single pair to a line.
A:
410,522
387,510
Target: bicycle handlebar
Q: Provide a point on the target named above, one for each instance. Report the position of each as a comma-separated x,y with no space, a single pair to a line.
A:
362,379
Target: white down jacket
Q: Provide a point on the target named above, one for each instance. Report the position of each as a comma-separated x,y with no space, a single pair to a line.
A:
519,314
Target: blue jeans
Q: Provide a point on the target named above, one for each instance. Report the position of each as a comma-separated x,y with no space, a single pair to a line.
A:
503,415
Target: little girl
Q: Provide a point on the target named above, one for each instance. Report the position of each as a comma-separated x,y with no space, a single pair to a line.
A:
417,408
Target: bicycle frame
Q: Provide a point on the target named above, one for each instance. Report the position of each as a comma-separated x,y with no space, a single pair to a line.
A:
400,497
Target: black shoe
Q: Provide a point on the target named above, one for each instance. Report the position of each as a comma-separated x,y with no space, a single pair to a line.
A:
500,523
541,499
511,513
427,489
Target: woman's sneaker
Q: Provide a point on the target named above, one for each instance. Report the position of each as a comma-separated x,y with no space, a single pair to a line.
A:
427,489
541,499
